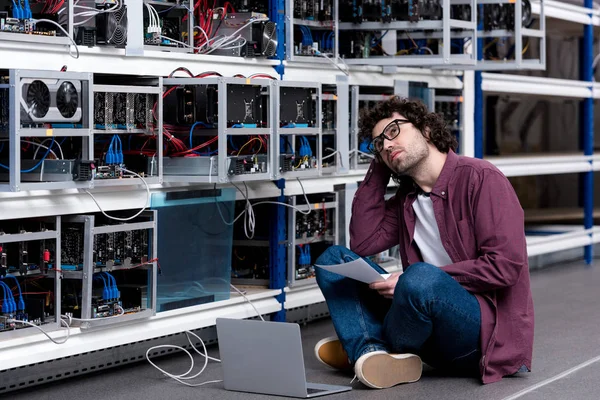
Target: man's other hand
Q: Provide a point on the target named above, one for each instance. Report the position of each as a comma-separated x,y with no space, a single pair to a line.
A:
386,288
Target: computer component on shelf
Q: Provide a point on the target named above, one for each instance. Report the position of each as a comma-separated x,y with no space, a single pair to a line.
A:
125,130
298,130
251,258
298,107
111,25
314,10
188,104
259,39
502,16
131,112
53,126
71,246
310,234
51,101
250,164
203,113
26,256
449,103
244,6
329,106
54,170
166,25
108,266
247,106
124,248
26,280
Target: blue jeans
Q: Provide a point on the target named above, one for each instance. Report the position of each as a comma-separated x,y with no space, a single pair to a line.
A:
431,315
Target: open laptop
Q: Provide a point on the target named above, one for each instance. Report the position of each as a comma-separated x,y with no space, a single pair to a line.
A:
266,357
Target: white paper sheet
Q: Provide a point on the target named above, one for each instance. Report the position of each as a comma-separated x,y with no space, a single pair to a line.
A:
358,269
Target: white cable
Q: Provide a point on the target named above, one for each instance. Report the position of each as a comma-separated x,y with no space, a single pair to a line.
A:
133,216
205,36
184,377
248,300
330,155
345,71
43,331
236,46
70,318
62,156
248,213
250,22
64,31
35,144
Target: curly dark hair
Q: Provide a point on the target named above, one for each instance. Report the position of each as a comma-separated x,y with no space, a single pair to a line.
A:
418,115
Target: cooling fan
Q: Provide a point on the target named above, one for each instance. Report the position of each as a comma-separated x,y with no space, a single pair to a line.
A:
268,39
111,28
50,100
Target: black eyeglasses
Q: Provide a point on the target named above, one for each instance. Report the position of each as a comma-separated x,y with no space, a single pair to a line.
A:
391,132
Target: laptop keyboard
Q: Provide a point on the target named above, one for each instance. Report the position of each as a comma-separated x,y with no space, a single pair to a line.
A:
313,391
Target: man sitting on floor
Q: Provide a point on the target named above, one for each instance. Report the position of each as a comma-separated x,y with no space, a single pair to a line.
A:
463,303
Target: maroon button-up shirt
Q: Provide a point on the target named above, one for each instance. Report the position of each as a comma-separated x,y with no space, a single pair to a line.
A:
482,229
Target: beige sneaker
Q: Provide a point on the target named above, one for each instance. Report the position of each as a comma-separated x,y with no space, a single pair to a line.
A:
330,352
380,370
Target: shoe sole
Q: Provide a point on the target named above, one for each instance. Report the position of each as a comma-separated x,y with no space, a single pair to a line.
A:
339,364
384,370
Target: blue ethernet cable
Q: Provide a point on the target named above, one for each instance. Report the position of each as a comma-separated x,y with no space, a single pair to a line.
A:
120,153
27,10
110,284
109,158
5,304
105,292
8,298
36,166
192,130
21,305
115,290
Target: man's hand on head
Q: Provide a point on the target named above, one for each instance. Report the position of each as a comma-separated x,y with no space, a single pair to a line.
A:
386,288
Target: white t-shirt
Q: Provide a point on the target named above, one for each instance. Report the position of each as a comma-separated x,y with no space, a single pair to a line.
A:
427,233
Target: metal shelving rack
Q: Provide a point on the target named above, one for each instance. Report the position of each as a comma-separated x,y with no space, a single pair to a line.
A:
154,127
91,229
570,18
291,22
53,234
18,129
295,243
336,114
314,164
216,169
446,29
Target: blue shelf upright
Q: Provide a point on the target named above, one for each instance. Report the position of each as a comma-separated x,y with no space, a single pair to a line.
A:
587,127
479,106
278,250
277,14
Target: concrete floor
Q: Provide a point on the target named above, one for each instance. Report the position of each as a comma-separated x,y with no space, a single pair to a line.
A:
567,306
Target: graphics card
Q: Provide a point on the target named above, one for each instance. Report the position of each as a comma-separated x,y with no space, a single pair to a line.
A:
50,100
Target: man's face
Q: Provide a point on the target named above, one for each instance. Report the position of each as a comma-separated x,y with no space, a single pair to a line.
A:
406,148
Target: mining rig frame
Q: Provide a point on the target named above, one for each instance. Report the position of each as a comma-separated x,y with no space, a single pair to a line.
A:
18,129
300,274
150,90
24,237
223,167
283,161
338,127
445,29
91,232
